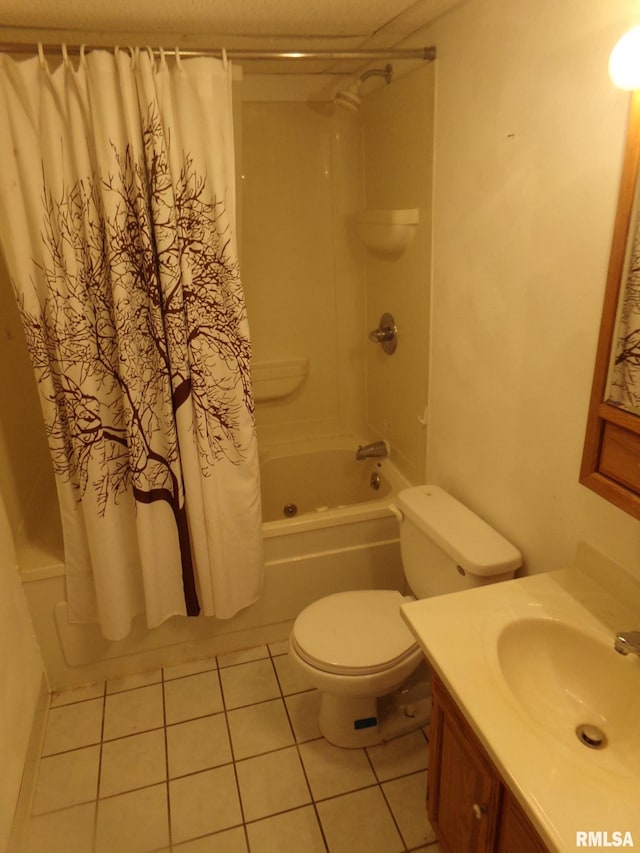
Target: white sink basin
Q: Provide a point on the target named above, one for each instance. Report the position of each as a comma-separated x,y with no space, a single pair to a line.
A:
563,678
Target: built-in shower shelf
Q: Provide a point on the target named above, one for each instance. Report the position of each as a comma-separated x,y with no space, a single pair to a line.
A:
278,379
387,232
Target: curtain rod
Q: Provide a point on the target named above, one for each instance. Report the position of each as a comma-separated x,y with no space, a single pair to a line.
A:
428,54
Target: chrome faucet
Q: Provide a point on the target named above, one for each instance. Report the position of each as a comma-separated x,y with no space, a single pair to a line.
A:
376,450
627,643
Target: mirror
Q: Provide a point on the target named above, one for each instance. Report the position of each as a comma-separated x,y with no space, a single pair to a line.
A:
611,456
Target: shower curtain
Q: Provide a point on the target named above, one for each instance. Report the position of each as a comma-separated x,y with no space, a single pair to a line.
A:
117,220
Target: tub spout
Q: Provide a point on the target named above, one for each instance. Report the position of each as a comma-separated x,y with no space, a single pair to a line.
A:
376,450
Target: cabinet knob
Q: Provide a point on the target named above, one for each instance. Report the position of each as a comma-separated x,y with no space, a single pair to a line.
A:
479,811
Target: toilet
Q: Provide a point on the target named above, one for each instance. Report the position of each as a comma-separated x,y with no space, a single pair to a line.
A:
354,646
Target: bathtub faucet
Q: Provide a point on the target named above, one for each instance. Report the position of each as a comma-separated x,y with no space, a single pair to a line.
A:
375,450
627,643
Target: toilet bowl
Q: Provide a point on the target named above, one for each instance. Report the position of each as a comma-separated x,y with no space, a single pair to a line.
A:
354,646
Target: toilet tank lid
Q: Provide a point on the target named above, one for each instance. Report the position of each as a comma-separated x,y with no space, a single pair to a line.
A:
458,531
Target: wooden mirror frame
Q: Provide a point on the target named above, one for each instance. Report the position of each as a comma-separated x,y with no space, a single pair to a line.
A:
611,456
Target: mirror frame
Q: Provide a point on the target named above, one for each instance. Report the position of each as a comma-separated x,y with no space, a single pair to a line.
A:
612,433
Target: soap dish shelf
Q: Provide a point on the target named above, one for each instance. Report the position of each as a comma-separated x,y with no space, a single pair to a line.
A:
278,379
388,231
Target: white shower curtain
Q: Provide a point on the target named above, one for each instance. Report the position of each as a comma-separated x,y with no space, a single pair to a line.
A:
117,221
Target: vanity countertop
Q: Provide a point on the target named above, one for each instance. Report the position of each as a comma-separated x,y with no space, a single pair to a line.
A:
564,786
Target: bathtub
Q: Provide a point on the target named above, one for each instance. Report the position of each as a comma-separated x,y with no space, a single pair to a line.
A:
341,536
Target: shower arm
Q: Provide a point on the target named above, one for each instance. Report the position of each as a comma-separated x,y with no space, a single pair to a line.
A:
386,72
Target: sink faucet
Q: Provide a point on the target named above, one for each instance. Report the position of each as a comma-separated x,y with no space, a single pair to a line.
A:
375,450
628,643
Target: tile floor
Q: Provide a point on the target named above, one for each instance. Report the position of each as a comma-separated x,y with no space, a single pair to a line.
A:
220,755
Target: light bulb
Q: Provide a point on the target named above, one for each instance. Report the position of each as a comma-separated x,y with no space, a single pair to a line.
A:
624,62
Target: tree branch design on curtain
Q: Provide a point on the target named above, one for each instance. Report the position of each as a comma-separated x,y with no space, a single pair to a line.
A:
143,316
624,390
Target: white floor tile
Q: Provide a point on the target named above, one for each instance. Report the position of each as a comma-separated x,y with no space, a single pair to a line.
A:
272,783
63,831
332,771
290,678
72,726
243,656
198,745
359,823
259,728
204,803
180,709
135,822
303,710
406,754
280,648
67,779
132,762
407,798
194,696
229,841
76,694
296,830
249,683
179,670
130,682
133,712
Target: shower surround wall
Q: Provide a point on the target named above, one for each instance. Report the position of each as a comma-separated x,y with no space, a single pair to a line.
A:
302,275
313,291
398,174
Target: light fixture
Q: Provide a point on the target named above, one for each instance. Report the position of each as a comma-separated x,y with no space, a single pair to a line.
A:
624,62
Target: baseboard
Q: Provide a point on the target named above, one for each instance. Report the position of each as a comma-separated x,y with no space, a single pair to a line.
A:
30,772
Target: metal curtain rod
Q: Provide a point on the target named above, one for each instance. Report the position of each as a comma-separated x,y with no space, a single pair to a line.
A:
427,54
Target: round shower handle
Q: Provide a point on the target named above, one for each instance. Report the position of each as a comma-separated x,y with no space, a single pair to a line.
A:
380,335
386,334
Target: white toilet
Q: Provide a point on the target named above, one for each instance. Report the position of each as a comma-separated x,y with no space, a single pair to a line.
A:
355,647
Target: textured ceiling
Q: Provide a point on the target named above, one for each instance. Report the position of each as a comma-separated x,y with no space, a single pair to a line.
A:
325,23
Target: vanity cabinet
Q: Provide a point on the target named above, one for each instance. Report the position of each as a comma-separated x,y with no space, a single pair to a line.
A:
470,807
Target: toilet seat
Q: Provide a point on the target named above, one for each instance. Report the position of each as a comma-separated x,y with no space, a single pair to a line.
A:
359,632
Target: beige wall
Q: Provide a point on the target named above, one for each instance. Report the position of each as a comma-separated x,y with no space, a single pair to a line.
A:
398,161
21,672
528,152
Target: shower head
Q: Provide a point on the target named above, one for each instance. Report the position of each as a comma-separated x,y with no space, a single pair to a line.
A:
349,97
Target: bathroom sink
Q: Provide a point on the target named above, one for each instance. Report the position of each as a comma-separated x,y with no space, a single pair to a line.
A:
577,687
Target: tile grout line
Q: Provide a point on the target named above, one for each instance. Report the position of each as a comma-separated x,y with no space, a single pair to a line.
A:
233,758
299,754
166,760
99,779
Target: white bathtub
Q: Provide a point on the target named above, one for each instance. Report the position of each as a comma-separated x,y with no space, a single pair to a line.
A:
342,537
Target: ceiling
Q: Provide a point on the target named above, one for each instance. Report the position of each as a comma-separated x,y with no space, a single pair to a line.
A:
255,24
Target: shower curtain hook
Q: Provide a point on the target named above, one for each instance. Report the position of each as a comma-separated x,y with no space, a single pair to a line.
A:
65,55
163,58
83,58
178,60
225,59
43,61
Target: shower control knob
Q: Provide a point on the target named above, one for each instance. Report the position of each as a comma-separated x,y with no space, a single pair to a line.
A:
386,335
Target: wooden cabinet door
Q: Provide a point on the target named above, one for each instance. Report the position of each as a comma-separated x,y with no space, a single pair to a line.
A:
464,790
517,833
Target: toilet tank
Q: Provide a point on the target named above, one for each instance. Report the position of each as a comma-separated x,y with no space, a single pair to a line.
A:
446,547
